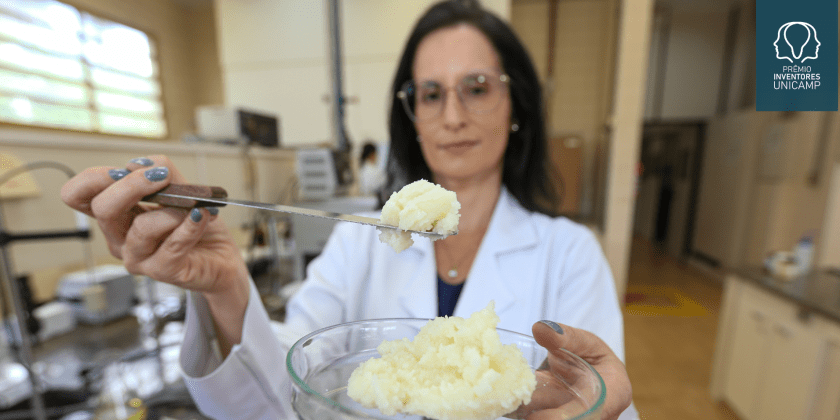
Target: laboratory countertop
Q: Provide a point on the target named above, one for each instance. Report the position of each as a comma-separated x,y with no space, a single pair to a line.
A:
115,366
817,292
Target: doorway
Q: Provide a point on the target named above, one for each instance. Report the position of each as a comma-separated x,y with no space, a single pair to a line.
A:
668,184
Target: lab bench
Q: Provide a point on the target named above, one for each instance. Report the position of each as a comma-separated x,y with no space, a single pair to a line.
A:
111,371
777,353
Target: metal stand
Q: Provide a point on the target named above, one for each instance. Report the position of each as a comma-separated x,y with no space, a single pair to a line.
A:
25,348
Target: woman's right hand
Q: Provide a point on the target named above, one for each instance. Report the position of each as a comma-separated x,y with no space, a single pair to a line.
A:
192,249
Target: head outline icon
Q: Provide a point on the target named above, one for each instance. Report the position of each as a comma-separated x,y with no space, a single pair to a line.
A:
782,34
813,31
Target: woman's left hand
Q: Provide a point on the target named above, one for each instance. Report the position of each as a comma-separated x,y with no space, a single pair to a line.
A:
588,347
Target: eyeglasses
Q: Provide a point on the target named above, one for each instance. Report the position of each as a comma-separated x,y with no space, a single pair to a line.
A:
480,93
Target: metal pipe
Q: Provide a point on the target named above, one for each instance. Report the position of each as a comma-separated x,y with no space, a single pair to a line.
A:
25,349
6,238
338,92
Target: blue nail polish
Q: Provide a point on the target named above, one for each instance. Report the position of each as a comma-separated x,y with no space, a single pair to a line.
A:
142,161
157,174
213,210
118,174
195,215
554,326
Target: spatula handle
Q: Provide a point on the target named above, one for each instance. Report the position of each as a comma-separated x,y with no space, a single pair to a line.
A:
191,190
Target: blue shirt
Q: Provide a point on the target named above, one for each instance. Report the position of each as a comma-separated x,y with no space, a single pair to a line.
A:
447,297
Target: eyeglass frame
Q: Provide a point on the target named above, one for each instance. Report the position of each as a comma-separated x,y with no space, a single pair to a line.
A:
403,96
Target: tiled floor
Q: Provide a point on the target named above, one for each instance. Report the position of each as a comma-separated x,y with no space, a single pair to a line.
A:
670,320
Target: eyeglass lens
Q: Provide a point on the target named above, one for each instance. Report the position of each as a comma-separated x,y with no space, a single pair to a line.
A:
479,93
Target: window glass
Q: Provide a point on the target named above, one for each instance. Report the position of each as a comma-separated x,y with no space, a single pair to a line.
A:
122,124
113,101
25,59
65,68
43,87
46,25
26,111
113,80
118,47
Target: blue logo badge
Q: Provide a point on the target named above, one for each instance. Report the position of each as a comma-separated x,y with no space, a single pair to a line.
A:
796,56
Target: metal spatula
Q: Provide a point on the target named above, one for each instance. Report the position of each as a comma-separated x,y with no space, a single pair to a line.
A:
189,196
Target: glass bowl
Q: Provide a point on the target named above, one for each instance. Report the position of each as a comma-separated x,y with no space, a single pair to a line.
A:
320,365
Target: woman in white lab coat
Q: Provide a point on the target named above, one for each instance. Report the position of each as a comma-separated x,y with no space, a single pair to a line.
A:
371,175
467,115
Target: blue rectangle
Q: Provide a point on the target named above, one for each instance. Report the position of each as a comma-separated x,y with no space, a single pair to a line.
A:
796,55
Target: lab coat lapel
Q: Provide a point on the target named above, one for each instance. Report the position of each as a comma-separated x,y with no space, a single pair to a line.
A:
511,230
418,297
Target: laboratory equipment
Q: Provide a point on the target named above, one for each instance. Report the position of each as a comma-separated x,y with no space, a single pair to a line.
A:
221,124
99,295
82,230
322,173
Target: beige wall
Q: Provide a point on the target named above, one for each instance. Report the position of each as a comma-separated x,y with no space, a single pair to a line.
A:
275,57
599,82
580,92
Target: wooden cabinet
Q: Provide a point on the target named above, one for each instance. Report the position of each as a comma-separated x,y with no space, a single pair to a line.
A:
826,403
775,360
743,374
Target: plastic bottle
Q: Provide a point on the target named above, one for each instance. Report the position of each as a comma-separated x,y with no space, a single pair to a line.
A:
804,254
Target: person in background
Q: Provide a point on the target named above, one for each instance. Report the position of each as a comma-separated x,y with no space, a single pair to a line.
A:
467,114
371,176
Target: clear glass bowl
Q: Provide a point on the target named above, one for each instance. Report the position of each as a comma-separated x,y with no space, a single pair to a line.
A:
320,365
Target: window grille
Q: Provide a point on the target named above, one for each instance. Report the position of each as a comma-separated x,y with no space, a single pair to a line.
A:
61,67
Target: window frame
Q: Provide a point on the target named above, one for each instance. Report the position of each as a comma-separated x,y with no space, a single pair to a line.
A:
87,83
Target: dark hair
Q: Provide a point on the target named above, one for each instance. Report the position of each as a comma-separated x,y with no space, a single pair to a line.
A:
526,168
367,150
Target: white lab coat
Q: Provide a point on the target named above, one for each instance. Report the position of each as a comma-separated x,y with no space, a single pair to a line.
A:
533,267
371,178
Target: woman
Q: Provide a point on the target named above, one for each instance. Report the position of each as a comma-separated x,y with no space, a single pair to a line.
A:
466,115
371,175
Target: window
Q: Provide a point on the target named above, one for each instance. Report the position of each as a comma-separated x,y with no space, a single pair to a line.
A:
64,68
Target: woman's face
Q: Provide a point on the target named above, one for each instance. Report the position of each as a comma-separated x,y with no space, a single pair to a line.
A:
460,142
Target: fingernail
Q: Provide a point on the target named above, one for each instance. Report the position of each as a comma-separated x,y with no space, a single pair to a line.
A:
142,161
118,174
213,210
157,174
553,326
195,215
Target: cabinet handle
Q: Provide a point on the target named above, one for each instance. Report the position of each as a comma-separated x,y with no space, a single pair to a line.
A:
760,324
782,331
803,315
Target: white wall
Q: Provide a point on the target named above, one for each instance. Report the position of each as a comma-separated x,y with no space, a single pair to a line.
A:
728,175
693,61
276,57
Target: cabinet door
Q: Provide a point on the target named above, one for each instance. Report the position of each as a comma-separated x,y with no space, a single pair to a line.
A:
790,371
750,341
827,392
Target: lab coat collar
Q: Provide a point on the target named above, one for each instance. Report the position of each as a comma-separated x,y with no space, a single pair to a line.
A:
510,230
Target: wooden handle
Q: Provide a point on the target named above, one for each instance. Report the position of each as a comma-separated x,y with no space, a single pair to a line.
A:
197,191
